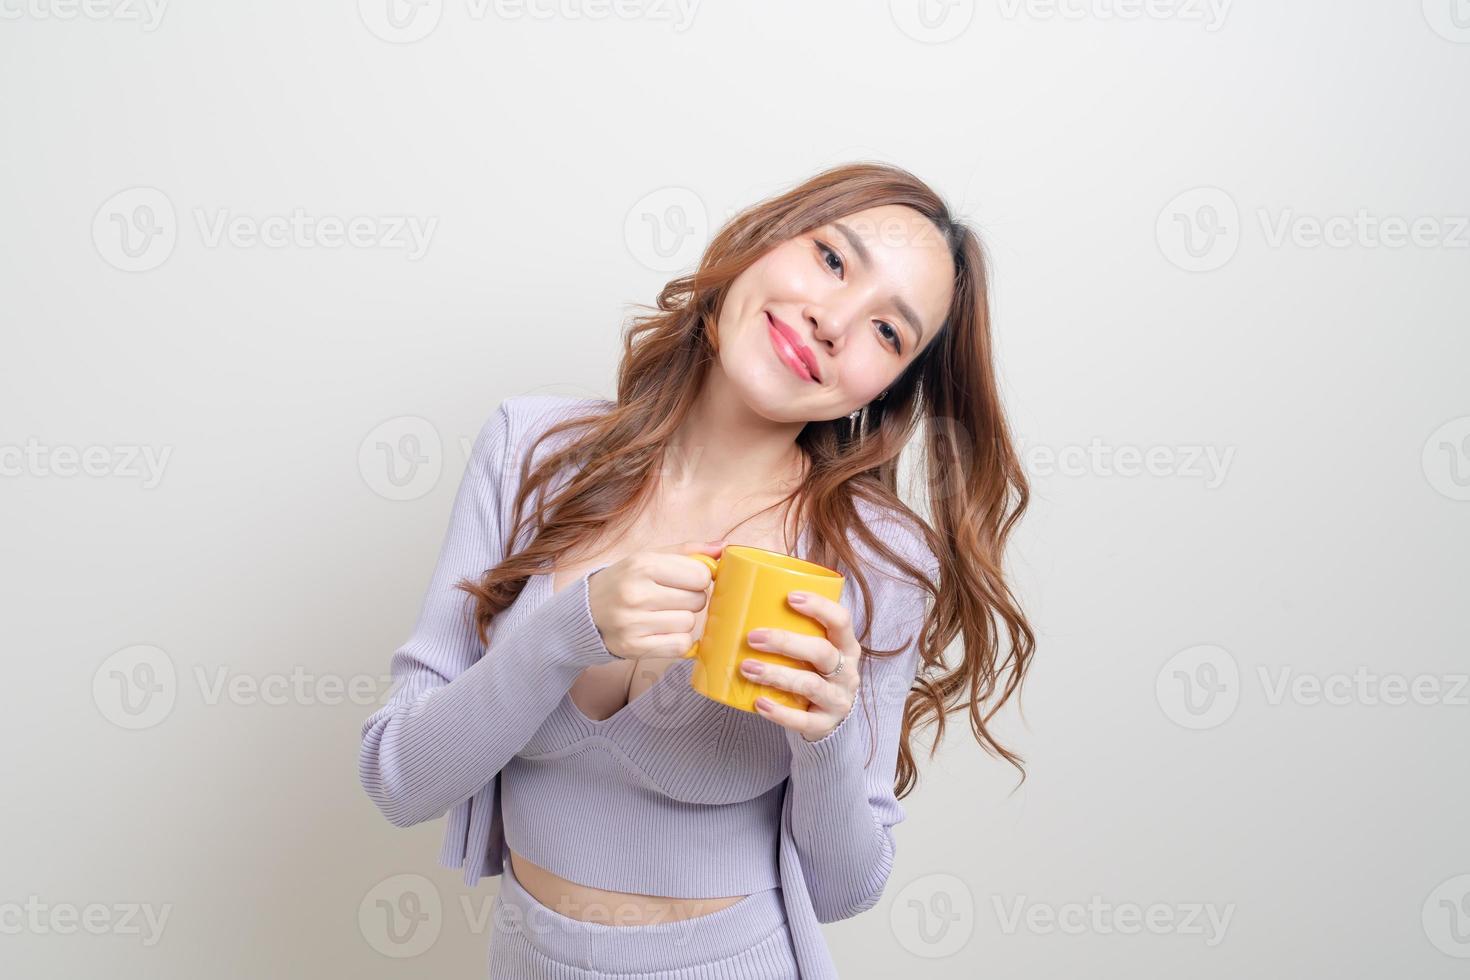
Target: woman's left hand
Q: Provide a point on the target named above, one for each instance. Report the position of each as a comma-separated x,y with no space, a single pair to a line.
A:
831,697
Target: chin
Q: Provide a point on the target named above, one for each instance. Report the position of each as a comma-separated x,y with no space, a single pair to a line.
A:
769,398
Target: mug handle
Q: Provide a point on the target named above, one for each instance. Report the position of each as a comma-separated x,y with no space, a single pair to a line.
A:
714,567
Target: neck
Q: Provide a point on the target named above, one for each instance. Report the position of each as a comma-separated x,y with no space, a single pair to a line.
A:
723,451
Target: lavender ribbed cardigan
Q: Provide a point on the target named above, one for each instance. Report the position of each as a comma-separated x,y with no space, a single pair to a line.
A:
459,714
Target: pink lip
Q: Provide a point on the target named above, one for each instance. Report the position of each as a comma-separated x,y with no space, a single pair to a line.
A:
791,350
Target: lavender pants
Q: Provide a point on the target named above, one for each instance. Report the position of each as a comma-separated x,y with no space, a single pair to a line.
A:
745,941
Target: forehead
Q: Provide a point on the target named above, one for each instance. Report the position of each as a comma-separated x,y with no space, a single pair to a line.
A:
908,254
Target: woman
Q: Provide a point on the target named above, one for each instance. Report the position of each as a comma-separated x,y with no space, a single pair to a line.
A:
641,829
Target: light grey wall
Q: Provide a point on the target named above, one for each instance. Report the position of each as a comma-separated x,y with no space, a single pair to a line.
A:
1246,724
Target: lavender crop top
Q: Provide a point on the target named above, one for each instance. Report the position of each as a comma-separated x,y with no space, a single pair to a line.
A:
674,794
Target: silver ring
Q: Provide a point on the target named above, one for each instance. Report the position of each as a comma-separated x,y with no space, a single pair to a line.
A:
838,669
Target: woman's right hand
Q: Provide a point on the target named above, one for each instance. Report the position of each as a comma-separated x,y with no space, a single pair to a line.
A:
646,604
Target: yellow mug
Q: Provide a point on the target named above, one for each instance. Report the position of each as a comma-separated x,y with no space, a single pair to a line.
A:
750,589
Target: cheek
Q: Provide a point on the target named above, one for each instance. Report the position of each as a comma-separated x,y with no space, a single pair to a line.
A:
864,375
863,372
790,274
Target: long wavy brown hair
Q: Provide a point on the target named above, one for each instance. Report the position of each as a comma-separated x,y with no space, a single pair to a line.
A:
976,487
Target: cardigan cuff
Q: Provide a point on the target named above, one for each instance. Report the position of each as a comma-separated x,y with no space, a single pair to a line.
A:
841,745
569,615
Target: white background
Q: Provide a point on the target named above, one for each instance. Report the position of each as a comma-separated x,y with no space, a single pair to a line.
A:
1147,178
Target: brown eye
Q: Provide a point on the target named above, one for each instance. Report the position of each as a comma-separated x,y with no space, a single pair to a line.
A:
825,251
897,341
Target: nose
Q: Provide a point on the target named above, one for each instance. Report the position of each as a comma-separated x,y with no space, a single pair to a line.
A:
827,326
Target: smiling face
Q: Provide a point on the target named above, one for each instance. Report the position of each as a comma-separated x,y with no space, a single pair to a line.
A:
863,297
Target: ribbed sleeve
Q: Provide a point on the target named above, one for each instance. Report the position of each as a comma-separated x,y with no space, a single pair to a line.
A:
457,713
842,813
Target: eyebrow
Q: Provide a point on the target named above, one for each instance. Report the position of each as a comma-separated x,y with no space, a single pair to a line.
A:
904,308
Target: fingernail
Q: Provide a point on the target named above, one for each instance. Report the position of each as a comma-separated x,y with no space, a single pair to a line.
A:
798,597
751,666
757,636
